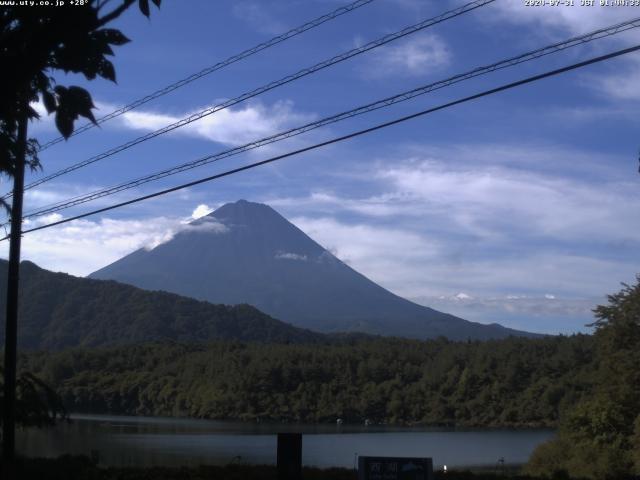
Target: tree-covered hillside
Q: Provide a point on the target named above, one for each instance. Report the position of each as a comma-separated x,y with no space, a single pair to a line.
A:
59,311
600,437
513,382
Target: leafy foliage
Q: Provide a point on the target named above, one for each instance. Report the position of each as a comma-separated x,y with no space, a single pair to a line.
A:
600,437
635,446
37,404
37,41
513,382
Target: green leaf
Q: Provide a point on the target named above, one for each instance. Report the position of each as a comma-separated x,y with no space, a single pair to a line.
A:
49,101
41,82
113,36
72,102
144,7
106,70
64,122
81,102
31,113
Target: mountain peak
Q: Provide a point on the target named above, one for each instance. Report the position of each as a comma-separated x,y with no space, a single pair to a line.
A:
260,258
242,204
244,212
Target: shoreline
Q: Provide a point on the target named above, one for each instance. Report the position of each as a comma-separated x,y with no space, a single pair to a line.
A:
347,426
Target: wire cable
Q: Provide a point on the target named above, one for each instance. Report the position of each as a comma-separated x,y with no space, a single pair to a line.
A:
404,96
265,88
224,63
358,133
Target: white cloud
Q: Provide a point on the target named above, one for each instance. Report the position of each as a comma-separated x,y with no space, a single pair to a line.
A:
561,22
417,55
43,220
590,113
44,124
427,264
532,313
205,224
495,193
532,156
389,255
504,220
432,269
526,304
291,256
463,296
52,193
256,15
622,85
403,262
576,19
201,210
39,197
324,201
493,202
83,246
231,126
39,108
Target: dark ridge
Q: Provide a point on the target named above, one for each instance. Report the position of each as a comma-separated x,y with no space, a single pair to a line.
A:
59,311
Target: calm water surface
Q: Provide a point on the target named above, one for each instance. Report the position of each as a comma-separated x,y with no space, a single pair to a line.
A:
145,441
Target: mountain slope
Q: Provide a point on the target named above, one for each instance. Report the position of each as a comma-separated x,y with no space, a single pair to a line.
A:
58,311
248,253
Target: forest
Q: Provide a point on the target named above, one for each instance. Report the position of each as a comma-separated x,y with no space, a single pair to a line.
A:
585,386
505,383
600,436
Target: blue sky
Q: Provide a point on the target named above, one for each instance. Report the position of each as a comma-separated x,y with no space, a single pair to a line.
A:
521,208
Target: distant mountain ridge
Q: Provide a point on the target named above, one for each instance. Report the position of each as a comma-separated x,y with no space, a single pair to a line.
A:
246,252
59,311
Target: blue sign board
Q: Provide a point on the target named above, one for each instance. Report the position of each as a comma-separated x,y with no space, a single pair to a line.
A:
395,468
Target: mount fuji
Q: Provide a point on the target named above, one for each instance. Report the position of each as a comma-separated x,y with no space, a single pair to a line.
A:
246,252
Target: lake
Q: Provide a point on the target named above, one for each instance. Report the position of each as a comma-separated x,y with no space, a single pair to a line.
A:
146,441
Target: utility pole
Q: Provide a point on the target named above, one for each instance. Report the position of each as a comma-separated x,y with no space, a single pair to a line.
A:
11,330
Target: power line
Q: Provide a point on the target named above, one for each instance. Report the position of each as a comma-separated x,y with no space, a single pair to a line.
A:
358,133
525,57
265,88
341,116
224,63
